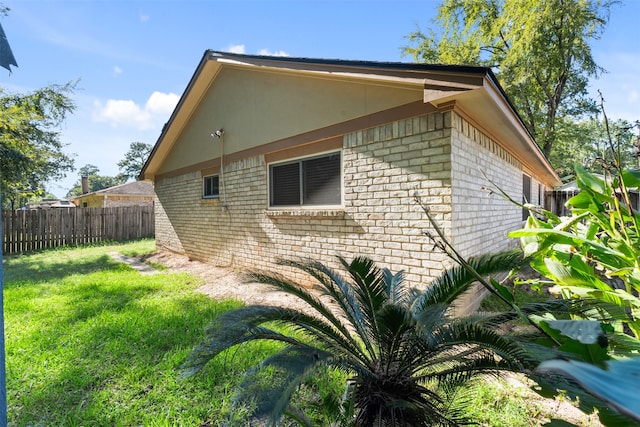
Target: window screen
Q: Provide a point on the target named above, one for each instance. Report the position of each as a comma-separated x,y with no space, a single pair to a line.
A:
285,184
526,194
211,186
307,182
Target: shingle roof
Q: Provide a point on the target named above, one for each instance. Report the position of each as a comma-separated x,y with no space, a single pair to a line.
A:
136,188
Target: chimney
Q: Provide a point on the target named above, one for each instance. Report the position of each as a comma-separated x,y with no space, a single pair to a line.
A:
85,184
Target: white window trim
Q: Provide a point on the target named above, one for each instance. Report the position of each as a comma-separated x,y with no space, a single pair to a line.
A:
292,208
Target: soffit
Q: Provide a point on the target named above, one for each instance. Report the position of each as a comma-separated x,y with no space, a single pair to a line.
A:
486,106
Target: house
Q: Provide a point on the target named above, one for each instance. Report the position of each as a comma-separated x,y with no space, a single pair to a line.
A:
137,193
278,157
556,199
50,203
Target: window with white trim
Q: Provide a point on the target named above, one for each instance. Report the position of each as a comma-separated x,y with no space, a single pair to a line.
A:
310,181
210,187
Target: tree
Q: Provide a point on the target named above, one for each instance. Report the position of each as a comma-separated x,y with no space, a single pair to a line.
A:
134,159
95,180
31,152
586,142
538,48
406,355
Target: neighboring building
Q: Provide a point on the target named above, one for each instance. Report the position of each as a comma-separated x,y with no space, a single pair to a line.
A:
138,193
556,199
269,157
50,203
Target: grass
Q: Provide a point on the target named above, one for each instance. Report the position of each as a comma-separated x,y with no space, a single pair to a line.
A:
92,342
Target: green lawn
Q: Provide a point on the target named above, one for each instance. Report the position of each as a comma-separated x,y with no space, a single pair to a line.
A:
91,342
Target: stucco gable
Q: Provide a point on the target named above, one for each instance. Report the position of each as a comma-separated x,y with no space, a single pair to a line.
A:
258,100
256,106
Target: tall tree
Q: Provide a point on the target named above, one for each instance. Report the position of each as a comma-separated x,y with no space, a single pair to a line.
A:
95,180
31,152
538,48
587,142
134,159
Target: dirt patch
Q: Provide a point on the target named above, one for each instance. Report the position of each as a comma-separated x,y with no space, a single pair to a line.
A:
224,283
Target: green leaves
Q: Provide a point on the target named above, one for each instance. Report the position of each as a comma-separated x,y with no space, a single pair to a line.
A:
31,152
540,50
134,159
404,353
585,332
594,256
617,384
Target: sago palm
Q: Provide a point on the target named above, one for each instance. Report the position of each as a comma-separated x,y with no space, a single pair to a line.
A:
403,351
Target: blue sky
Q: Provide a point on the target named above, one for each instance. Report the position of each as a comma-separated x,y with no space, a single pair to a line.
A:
133,59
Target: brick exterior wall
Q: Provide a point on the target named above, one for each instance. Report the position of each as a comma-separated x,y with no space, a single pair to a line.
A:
482,219
382,168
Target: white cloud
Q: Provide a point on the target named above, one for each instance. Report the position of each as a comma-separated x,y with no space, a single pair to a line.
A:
117,70
241,49
236,48
126,113
161,103
144,18
267,52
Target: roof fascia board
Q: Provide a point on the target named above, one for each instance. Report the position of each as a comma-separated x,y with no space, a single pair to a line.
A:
499,97
176,111
468,77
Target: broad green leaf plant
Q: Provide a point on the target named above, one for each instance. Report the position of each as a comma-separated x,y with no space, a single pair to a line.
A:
594,262
594,254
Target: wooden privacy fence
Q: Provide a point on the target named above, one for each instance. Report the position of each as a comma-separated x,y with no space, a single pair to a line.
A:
555,201
29,230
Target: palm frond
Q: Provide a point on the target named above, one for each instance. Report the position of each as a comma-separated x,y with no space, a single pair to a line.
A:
463,332
369,289
465,370
456,280
291,288
397,293
342,294
271,385
429,319
233,328
551,306
395,332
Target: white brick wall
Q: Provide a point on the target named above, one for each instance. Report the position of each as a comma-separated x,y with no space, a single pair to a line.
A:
383,166
482,219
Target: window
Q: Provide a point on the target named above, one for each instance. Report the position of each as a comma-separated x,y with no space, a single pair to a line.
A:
526,194
210,186
312,181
